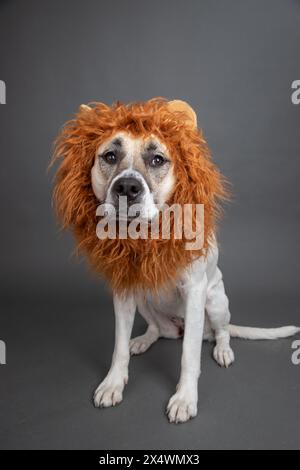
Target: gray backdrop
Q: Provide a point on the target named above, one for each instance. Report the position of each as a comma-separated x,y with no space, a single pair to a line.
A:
234,62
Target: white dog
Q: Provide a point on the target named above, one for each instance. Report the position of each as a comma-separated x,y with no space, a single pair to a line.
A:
149,152
199,304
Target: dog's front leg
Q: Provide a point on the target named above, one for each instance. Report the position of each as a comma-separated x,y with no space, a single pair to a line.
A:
110,391
183,404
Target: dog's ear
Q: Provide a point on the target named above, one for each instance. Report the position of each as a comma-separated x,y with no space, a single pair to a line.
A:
185,110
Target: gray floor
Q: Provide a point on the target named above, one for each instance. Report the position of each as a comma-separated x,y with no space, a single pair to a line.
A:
59,347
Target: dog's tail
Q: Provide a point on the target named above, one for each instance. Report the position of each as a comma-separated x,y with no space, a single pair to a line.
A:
246,332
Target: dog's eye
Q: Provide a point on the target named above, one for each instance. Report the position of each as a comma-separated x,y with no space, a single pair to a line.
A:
110,158
157,160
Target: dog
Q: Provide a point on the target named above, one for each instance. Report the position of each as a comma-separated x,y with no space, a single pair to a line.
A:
152,154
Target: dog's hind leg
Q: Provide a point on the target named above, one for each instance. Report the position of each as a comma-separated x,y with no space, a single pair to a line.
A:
141,343
160,325
217,309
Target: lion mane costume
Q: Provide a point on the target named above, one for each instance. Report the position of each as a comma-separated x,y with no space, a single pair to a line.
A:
135,264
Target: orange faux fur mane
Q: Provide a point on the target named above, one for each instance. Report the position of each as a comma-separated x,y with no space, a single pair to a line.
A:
134,264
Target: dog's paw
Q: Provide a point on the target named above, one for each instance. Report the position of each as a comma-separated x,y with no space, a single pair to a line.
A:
181,408
140,344
223,355
109,392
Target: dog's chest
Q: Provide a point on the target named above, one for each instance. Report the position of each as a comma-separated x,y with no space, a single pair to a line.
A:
170,304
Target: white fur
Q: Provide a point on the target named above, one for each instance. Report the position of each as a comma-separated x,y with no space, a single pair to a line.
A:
200,301
109,392
262,333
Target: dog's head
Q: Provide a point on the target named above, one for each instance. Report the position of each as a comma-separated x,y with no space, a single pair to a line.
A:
150,153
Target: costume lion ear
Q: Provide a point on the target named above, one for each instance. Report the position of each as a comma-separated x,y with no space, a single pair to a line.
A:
186,110
84,107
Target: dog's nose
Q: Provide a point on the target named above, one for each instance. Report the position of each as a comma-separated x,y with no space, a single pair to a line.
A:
127,186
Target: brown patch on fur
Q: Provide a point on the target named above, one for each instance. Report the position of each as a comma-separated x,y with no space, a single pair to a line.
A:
134,264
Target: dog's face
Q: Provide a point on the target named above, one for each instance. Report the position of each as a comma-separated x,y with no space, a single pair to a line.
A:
139,169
